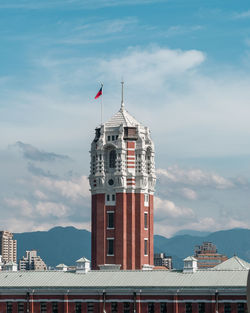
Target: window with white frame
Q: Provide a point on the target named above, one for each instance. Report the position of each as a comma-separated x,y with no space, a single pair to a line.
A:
110,246
146,246
145,220
110,220
110,199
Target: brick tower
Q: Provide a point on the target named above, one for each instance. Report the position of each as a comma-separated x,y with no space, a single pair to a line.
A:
122,181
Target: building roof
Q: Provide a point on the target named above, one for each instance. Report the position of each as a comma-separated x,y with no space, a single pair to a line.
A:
122,117
61,265
83,259
125,279
232,264
190,258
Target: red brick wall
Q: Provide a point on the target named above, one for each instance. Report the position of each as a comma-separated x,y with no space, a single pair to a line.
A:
66,303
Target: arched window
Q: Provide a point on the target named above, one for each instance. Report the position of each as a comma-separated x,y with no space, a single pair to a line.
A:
112,158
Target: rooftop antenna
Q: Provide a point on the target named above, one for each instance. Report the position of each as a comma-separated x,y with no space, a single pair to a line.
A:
122,102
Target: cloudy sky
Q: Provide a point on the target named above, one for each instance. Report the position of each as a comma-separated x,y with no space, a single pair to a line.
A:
186,66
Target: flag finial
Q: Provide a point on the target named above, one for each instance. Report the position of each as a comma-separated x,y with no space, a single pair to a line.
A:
122,102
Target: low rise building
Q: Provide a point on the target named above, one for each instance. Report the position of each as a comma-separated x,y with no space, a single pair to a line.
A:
10,267
32,262
220,289
207,255
161,259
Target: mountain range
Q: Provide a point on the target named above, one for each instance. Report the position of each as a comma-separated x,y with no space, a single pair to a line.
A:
67,244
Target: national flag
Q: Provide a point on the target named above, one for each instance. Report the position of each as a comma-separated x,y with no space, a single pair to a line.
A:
99,93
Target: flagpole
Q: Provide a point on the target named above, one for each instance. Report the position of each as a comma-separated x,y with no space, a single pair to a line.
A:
101,103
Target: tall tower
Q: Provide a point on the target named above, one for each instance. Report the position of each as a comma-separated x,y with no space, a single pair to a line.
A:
122,181
8,246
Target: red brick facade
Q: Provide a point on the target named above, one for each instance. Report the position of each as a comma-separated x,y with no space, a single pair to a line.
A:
135,302
129,232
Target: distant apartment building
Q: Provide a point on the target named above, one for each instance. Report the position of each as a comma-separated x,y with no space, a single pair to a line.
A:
207,255
160,259
8,247
32,262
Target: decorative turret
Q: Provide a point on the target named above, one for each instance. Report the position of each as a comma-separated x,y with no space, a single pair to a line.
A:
190,265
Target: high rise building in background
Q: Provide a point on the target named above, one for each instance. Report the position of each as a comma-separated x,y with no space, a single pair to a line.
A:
32,262
122,181
207,255
8,247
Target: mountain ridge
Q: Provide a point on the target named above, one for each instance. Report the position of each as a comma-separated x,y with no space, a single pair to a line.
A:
67,244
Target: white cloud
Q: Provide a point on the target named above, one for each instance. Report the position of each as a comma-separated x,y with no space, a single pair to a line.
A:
52,209
151,66
71,189
40,195
23,205
194,177
17,225
189,193
165,209
169,228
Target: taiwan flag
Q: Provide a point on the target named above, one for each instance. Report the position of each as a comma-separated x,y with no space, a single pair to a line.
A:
99,93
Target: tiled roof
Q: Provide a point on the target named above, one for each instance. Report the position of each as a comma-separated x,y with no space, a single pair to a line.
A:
122,117
125,279
233,264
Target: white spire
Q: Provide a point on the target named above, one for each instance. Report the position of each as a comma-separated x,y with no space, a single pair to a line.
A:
122,102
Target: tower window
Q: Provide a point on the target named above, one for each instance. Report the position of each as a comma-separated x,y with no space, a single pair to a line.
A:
111,220
110,246
108,138
113,138
108,198
112,158
146,220
113,197
145,246
146,198
116,137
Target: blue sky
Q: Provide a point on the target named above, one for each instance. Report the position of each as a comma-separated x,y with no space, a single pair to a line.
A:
186,66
